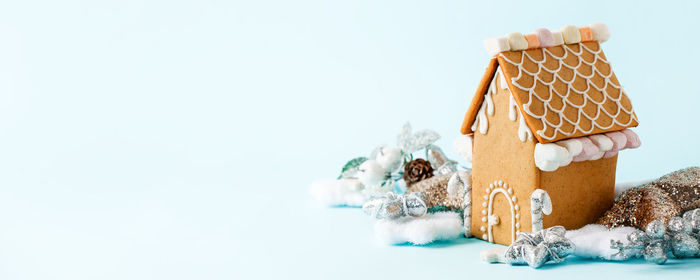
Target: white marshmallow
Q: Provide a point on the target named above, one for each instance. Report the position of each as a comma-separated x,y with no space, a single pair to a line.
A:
558,38
604,144
573,147
549,157
496,45
571,34
601,33
517,41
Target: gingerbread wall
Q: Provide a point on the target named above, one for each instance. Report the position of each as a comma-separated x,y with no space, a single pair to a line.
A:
581,192
500,156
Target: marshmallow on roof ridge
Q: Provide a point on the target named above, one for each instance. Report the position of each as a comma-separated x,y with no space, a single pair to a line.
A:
542,38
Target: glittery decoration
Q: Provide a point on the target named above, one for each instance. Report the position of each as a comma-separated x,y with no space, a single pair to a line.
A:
410,142
661,199
658,242
435,189
439,160
683,186
639,206
393,206
458,185
537,248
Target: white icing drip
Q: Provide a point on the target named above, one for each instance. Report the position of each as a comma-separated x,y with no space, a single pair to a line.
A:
524,132
570,88
486,107
512,108
502,80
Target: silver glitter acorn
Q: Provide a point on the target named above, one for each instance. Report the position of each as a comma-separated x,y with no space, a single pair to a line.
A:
536,249
655,253
656,229
393,206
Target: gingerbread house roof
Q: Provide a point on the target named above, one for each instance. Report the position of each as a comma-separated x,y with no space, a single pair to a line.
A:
561,81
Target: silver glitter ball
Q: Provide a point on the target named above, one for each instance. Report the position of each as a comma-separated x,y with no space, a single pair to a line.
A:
655,253
656,229
679,225
692,217
692,214
685,246
637,237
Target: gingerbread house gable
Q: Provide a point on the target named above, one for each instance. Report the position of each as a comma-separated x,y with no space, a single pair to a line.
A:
563,91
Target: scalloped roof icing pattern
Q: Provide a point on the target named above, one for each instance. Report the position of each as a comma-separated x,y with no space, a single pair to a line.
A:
567,91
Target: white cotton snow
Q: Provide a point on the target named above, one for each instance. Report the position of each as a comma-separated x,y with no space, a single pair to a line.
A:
593,241
420,230
463,146
343,192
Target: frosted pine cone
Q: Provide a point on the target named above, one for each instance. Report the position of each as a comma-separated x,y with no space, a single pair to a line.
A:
417,170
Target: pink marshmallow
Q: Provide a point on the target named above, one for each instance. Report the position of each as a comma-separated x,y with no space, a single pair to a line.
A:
632,139
545,37
619,141
610,154
589,149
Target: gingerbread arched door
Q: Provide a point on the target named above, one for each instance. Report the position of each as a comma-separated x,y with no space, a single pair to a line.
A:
502,213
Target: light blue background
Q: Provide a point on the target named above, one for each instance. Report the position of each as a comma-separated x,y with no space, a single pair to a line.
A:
177,140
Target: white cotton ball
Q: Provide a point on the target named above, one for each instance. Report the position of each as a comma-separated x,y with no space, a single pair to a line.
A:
463,146
351,184
370,173
338,192
593,241
389,158
420,230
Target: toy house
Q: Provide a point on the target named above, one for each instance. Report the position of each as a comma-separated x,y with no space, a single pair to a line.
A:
549,114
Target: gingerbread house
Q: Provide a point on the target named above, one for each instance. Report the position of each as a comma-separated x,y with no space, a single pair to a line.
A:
545,127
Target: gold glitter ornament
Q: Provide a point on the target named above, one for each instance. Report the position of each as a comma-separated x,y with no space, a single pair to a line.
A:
640,206
661,200
683,186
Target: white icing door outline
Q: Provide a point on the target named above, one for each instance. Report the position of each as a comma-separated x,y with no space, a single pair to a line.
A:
512,213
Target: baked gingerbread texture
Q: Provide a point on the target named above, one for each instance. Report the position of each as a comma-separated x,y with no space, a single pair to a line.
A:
548,114
662,199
